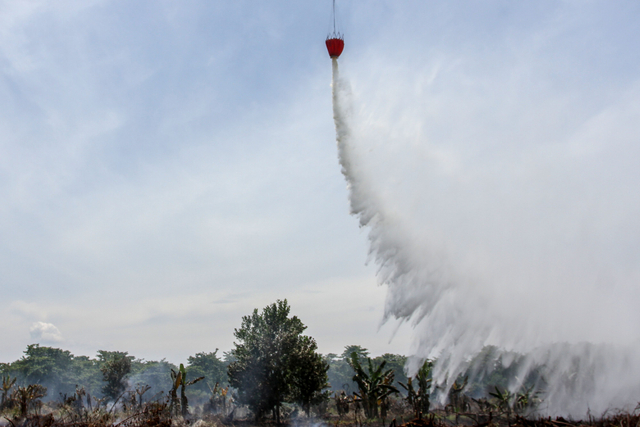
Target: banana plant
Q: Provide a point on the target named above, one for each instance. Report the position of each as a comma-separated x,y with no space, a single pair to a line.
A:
504,400
419,399
179,379
375,385
174,402
527,399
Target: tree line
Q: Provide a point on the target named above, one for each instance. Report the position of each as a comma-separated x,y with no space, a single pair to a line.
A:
272,363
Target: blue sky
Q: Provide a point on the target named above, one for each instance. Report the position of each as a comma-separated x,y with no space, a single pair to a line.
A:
166,167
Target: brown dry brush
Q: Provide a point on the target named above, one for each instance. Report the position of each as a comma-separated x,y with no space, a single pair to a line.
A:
622,419
434,419
219,402
23,407
7,385
152,414
28,398
342,403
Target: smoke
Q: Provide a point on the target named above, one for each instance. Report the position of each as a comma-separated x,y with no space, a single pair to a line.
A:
522,254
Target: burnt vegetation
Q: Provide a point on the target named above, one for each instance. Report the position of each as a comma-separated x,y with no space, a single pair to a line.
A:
273,375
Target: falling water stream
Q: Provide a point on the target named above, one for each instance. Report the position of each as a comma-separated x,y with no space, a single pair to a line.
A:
457,305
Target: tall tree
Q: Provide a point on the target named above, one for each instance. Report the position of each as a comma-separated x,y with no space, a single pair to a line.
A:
269,359
361,352
57,370
115,367
43,364
309,375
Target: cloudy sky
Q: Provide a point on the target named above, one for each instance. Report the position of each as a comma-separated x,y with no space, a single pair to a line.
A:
168,166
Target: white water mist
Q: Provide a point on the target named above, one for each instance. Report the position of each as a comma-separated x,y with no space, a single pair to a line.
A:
490,276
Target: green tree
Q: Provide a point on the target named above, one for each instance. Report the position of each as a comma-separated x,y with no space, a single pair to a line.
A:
209,366
85,372
269,359
57,370
115,367
361,352
309,377
45,365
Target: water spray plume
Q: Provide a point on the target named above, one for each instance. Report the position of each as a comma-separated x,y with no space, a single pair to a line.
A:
458,304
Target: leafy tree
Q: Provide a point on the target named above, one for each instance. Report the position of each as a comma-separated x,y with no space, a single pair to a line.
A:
57,370
45,365
309,375
85,372
61,371
339,373
361,352
115,366
209,366
228,358
272,356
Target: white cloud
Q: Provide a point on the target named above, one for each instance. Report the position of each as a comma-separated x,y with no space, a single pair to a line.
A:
45,333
